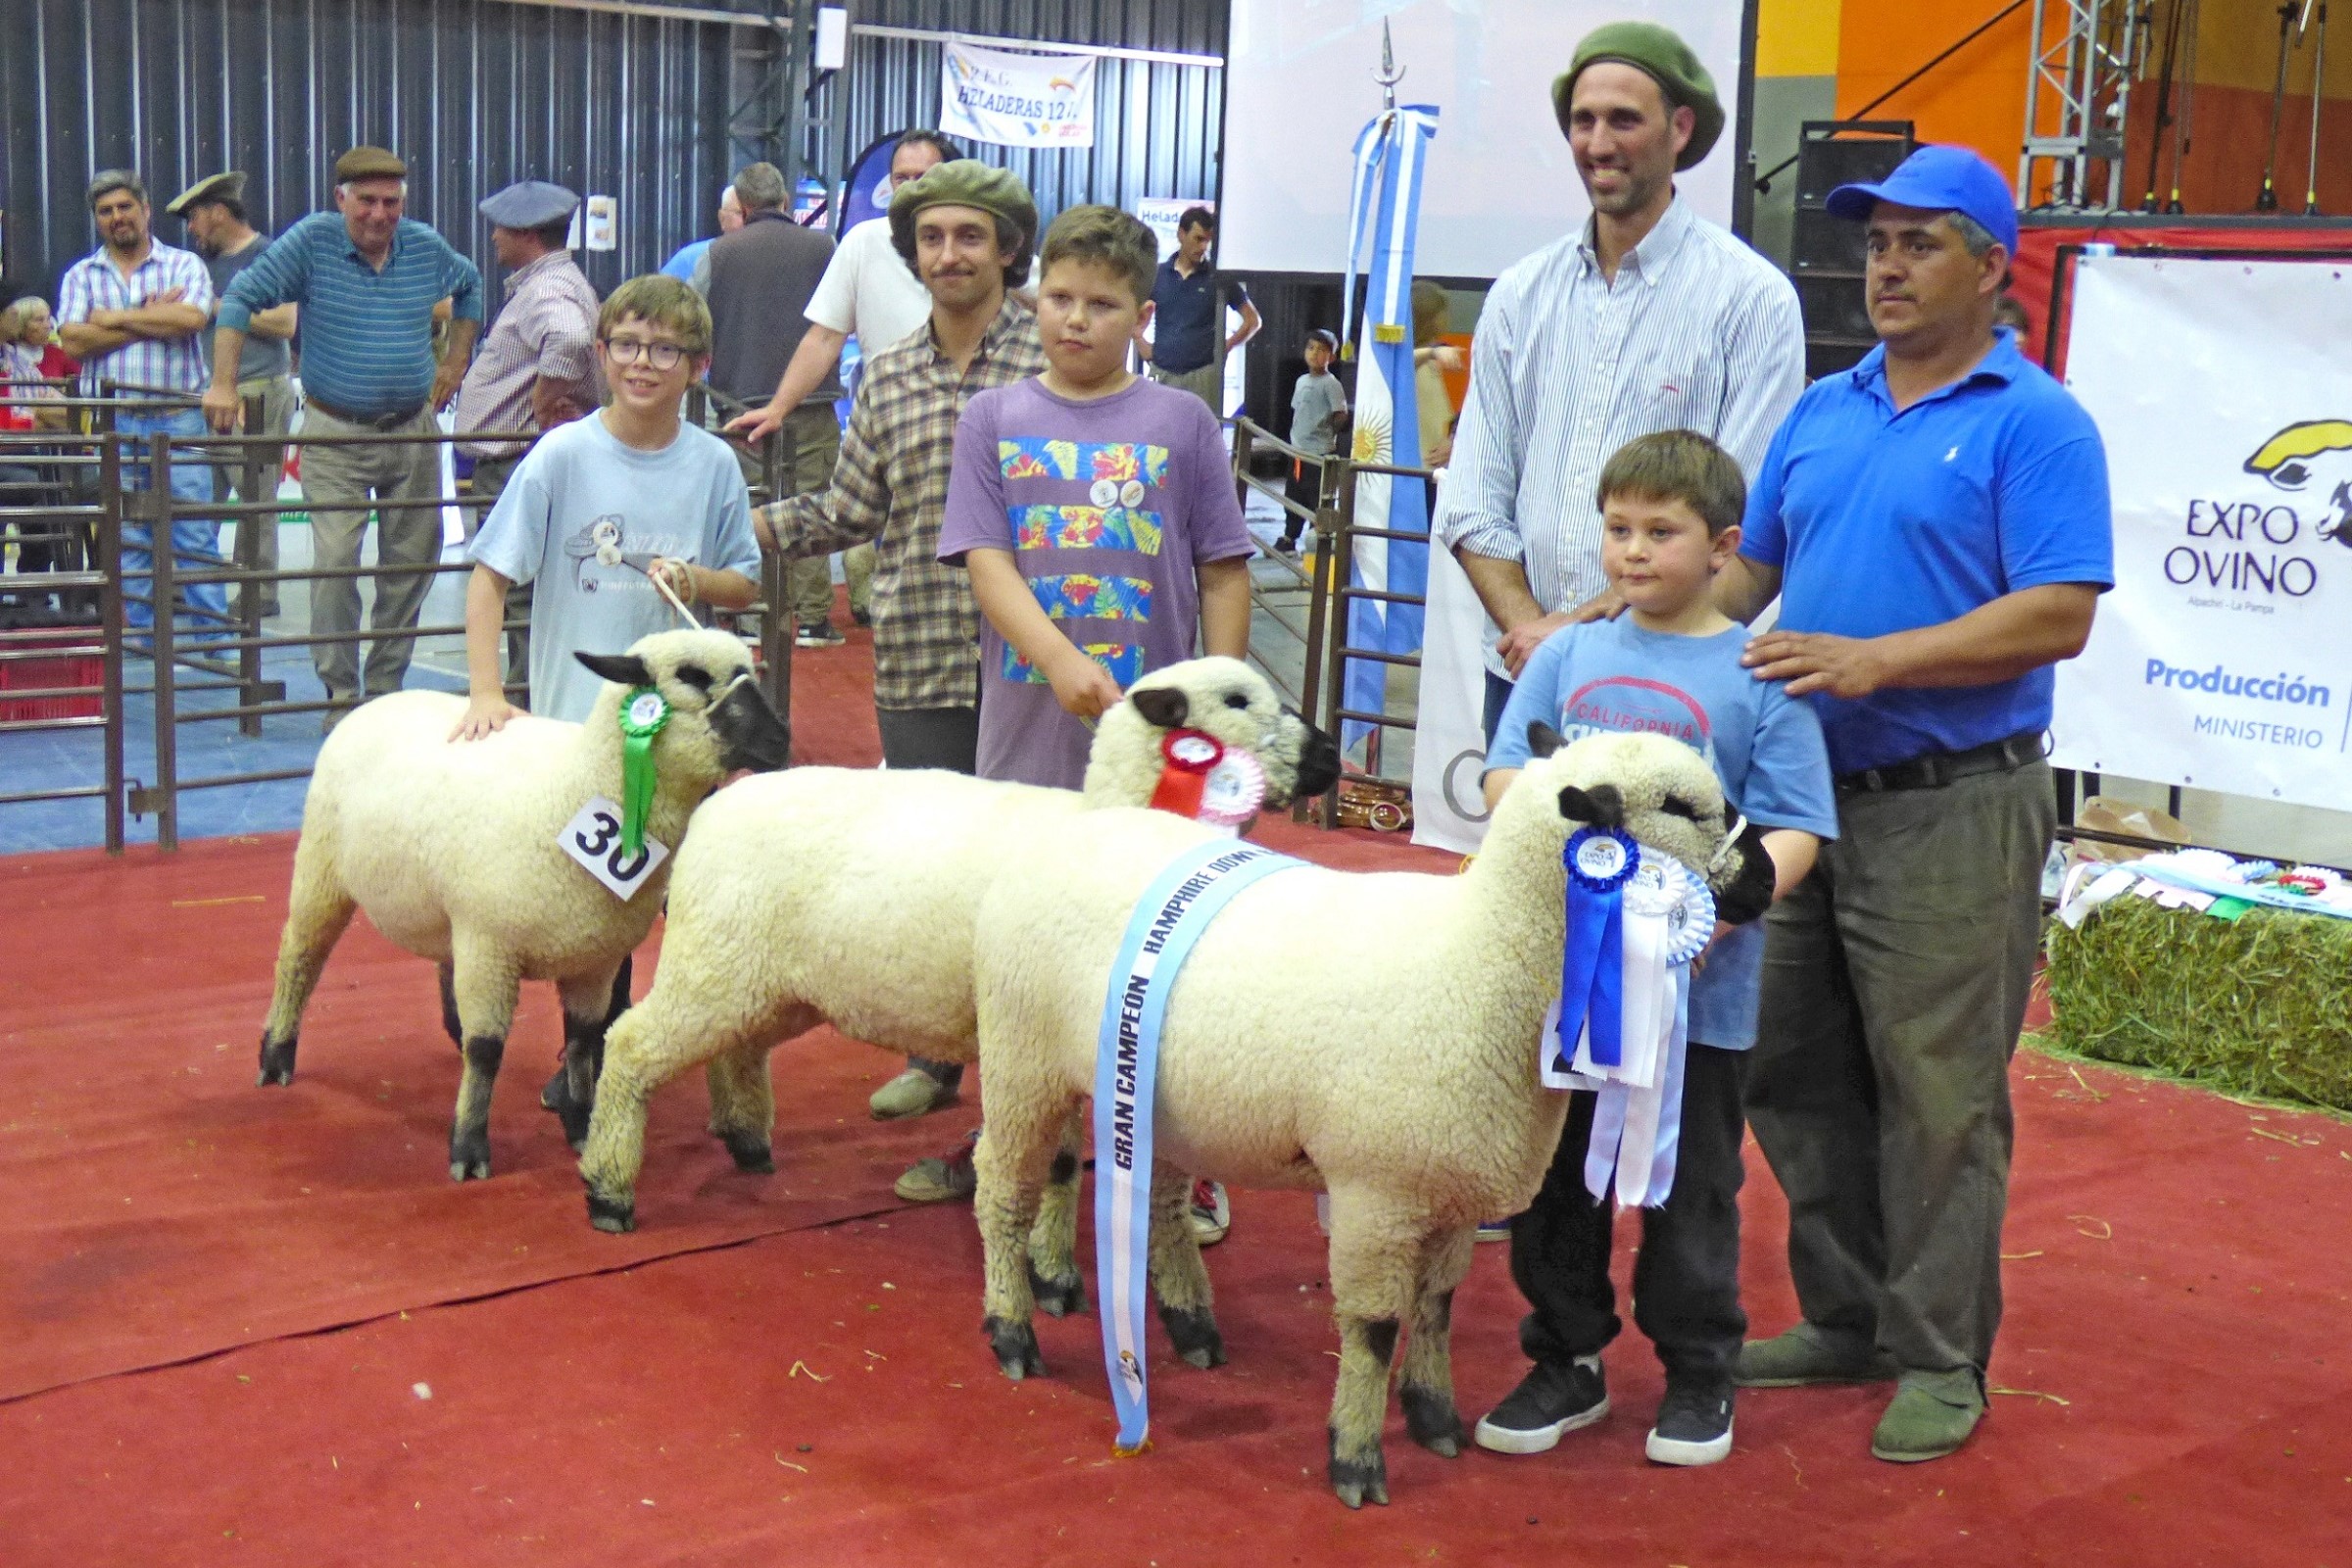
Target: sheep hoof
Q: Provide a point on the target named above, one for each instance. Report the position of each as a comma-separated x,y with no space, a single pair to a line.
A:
616,1215
1015,1344
556,1094
1431,1420
1358,1481
753,1153
1193,1330
469,1170
469,1156
1060,1295
277,1061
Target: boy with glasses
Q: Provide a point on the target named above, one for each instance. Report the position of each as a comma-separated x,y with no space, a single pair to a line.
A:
602,505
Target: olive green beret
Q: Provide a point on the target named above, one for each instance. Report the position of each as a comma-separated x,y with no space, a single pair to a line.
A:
962,183
1666,59
228,187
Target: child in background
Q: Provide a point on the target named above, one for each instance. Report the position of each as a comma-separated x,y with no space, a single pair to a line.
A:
1096,513
1318,409
601,506
1670,504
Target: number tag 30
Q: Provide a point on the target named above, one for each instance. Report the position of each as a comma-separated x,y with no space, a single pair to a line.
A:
593,838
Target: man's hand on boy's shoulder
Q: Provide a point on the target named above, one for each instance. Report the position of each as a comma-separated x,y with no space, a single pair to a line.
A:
1518,645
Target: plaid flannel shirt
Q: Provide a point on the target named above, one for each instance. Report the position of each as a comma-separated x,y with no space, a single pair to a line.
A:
891,486
158,363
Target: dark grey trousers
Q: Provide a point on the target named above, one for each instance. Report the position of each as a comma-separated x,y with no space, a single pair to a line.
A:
1895,980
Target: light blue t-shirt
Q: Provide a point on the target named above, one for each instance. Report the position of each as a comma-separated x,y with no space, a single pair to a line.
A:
580,489
1765,747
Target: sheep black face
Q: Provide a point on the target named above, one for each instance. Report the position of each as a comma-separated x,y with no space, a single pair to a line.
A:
751,736
1228,699
1661,792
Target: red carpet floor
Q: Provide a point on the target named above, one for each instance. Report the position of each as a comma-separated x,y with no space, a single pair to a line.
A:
248,1326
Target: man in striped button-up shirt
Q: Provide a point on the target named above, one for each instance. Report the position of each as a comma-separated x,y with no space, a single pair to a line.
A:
130,311
367,279
1650,318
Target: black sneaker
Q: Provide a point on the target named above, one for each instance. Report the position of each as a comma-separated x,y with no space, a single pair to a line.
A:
1551,1399
1694,1422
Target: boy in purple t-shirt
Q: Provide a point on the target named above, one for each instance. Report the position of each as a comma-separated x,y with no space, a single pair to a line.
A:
1095,511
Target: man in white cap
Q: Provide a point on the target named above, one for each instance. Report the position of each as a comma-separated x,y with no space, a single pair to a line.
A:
213,210
537,365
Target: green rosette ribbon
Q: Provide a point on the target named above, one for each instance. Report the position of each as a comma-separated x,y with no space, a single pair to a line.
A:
642,712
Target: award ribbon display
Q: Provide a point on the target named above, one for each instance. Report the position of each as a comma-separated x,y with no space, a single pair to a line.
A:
1631,1037
1205,779
642,712
1168,920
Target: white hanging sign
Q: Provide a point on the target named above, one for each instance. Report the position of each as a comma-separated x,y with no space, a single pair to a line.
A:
2223,658
1017,100
593,838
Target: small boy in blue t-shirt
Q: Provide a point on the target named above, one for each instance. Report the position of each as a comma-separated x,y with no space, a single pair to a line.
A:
1670,665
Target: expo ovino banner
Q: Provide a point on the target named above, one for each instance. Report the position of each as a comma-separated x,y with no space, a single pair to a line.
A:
2223,657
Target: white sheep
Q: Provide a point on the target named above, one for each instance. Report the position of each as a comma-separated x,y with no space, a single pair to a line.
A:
848,895
1374,1035
451,848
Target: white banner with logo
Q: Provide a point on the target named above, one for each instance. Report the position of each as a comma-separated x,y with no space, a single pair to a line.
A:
2223,657
1017,100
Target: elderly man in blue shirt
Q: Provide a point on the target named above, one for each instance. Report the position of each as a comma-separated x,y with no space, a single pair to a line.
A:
367,279
1936,521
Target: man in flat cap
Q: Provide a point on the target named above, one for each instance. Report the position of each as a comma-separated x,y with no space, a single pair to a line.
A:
131,312
759,280
969,231
213,210
537,368
368,279
1648,318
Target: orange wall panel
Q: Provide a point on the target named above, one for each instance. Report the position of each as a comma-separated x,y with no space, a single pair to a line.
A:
1977,98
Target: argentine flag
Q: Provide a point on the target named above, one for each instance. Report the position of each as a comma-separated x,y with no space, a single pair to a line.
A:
1383,212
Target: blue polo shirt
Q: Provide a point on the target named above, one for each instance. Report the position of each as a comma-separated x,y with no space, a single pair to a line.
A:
1882,522
1186,331
367,334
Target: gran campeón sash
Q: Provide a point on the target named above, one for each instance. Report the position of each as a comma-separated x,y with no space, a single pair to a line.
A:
1168,920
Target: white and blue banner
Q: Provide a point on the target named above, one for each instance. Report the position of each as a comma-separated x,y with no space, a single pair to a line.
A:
1384,211
1168,920
1043,100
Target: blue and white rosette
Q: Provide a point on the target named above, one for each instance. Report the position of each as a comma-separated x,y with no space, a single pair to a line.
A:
1634,1034
1599,862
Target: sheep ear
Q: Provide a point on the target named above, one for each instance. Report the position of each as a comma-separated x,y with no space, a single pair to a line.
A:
624,670
1165,705
1541,739
1602,805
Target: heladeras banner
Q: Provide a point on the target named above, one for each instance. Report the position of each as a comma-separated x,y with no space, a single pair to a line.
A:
2223,657
1045,100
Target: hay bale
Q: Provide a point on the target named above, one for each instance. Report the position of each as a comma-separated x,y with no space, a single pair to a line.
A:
2259,1005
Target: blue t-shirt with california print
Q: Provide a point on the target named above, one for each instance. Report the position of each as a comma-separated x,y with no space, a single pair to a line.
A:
1611,676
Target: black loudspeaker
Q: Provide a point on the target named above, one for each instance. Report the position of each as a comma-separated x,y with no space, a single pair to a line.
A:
1826,254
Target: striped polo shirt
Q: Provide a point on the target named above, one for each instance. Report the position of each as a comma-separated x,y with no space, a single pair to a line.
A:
367,335
1695,332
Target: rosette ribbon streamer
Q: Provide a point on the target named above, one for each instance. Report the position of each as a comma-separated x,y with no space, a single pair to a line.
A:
1633,1040
642,712
1600,861
1187,758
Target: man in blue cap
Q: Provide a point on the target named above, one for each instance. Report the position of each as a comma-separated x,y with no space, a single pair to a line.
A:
537,366
1936,522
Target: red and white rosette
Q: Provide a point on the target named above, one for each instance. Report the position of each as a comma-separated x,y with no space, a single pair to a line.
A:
1203,779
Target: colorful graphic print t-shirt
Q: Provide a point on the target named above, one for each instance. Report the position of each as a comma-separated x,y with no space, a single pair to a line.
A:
1106,506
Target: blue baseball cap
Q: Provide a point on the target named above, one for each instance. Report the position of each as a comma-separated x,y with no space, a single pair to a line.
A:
1935,178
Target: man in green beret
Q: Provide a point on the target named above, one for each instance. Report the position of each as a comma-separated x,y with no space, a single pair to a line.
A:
1648,319
969,231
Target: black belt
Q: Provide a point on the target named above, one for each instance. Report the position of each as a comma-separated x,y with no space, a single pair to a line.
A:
377,423
1935,770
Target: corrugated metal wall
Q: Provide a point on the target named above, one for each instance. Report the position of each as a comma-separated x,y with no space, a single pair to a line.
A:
1158,125
474,94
